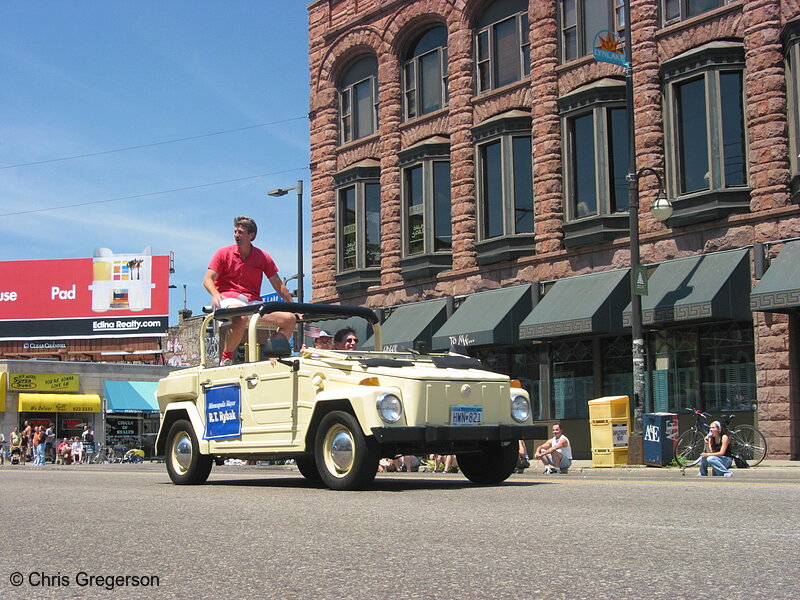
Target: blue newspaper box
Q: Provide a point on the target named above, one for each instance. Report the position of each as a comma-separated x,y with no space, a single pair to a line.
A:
660,438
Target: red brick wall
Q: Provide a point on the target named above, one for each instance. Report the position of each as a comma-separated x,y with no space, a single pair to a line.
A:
340,30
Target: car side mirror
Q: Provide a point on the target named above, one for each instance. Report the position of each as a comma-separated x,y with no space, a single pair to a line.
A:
275,347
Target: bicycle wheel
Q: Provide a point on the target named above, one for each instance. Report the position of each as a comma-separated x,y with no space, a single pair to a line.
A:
749,443
689,447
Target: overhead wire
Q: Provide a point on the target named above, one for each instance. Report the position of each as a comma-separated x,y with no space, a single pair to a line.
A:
147,194
150,145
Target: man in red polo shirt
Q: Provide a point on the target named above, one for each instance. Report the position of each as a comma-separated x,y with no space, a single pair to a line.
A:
234,279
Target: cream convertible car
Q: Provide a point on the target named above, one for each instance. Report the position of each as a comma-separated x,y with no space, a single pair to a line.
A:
336,412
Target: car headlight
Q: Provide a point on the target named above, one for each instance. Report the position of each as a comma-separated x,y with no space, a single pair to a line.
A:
520,408
389,408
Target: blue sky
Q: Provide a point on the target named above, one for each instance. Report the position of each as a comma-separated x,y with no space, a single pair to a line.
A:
86,77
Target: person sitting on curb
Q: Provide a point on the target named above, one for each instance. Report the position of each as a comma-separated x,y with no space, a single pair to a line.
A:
717,452
556,453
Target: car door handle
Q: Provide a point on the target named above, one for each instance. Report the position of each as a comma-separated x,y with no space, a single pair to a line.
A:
252,380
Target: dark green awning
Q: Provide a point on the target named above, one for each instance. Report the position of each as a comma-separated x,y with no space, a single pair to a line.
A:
410,323
491,317
779,289
579,305
710,286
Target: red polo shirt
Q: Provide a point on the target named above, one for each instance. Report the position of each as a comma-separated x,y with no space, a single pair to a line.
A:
241,277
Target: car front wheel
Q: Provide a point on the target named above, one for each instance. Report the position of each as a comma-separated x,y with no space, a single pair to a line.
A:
185,464
346,458
493,464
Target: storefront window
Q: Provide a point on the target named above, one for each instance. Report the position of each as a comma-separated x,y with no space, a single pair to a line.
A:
573,378
727,365
518,362
710,368
617,366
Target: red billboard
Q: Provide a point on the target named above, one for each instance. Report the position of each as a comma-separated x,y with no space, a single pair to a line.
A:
109,295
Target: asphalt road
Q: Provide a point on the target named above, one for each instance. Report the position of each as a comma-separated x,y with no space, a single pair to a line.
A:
265,533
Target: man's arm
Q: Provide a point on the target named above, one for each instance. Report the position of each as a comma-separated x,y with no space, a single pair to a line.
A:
280,287
211,287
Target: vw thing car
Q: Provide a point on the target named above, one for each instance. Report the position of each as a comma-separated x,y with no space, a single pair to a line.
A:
336,413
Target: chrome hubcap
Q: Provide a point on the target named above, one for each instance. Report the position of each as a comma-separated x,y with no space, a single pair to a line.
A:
182,451
340,449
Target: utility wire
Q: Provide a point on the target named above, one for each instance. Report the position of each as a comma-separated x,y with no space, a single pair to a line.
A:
145,195
162,143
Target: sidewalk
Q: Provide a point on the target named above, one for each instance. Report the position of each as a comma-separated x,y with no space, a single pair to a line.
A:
777,469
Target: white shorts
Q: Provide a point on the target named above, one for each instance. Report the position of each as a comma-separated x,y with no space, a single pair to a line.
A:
240,300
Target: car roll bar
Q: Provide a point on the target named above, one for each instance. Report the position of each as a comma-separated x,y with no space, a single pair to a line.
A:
311,311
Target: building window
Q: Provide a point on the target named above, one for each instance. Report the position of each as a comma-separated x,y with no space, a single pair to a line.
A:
502,47
791,39
358,100
522,363
506,191
711,368
358,226
573,378
425,74
680,10
427,221
582,20
595,124
505,187
706,133
426,193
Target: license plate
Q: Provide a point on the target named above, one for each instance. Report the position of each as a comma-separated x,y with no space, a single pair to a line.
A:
466,415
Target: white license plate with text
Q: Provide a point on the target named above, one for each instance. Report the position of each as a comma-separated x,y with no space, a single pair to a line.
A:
466,415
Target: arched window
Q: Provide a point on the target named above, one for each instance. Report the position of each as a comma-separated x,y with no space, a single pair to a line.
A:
358,99
425,73
502,49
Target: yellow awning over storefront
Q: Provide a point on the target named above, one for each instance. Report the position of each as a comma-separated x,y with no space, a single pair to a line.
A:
70,403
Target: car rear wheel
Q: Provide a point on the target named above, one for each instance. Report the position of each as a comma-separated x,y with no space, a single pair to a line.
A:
308,467
185,464
493,464
346,458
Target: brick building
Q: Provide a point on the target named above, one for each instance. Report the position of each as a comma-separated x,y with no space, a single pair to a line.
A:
468,177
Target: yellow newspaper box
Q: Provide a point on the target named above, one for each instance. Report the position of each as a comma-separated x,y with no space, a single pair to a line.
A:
609,423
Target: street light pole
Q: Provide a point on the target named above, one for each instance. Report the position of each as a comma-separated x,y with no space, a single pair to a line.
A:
298,342
661,210
635,439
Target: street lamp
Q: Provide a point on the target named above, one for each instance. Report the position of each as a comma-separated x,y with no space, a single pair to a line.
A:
282,192
662,210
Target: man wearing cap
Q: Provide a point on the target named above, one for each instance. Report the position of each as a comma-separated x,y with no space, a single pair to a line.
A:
324,341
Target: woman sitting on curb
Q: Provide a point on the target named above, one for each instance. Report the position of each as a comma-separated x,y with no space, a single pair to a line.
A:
718,452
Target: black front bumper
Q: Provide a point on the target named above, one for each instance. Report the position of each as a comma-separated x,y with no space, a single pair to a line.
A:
433,434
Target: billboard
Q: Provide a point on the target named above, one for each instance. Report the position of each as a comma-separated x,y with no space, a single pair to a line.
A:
109,295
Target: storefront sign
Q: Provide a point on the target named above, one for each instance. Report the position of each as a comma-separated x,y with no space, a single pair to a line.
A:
122,428
59,403
3,379
108,295
223,413
43,382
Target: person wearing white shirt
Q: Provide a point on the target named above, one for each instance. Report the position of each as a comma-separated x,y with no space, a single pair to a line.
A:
556,453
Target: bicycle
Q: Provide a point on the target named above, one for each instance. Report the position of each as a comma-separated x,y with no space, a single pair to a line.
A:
746,442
